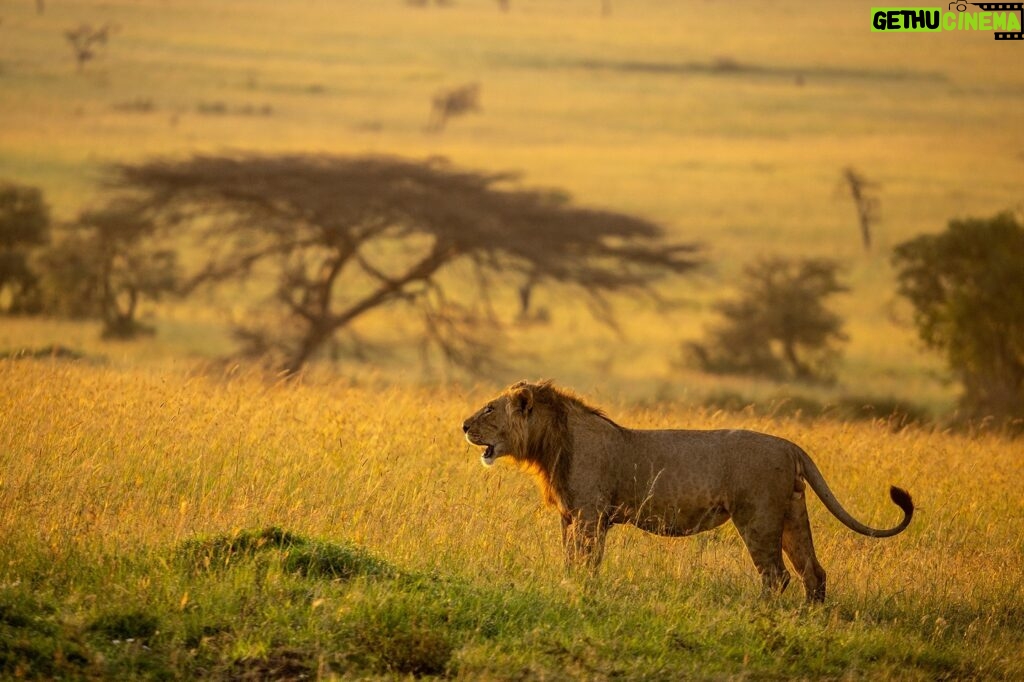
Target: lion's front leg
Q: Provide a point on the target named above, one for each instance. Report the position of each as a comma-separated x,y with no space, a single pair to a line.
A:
583,536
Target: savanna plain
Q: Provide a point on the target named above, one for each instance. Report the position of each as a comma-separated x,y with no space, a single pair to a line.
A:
164,515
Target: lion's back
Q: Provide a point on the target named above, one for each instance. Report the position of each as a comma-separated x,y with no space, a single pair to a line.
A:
708,465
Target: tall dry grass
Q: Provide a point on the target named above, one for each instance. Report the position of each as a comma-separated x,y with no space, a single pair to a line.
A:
104,460
104,472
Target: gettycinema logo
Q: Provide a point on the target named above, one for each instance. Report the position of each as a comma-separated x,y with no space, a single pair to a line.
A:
999,17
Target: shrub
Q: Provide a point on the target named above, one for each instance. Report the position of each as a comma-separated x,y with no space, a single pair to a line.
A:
967,289
24,225
105,264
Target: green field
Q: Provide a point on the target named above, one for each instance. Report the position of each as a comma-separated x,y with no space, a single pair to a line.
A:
131,480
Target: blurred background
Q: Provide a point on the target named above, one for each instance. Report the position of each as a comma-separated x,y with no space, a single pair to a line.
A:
771,156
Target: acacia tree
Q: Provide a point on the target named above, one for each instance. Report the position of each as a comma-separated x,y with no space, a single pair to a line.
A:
779,325
967,288
340,237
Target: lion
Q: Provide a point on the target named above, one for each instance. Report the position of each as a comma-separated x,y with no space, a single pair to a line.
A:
669,482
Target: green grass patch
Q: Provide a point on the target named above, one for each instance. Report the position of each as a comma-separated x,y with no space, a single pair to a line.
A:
128,626
296,554
396,638
34,642
264,609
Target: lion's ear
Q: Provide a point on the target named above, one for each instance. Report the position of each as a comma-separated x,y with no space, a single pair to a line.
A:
522,399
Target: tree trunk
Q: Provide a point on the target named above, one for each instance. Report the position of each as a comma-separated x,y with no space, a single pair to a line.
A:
316,336
800,370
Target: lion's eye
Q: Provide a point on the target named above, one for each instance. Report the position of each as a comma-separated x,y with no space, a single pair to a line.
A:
488,409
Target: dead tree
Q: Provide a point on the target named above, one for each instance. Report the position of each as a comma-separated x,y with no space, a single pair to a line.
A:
457,101
85,40
342,237
865,199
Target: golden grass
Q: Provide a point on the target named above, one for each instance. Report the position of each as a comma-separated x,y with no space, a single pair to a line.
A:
102,461
140,451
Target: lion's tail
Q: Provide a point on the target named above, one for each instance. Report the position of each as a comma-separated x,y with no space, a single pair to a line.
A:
817,482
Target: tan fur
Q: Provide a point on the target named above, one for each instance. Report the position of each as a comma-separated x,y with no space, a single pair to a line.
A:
670,482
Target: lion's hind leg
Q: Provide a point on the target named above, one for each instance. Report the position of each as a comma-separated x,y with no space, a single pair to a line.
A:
799,547
762,534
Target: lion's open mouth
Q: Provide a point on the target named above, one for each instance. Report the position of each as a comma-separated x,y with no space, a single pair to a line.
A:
489,454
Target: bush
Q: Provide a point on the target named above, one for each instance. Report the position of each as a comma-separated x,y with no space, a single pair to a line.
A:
967,288
106,263
24,225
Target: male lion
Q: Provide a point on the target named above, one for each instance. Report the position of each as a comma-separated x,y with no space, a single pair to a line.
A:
669,482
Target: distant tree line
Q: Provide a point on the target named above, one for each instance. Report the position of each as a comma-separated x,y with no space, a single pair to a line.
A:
330,240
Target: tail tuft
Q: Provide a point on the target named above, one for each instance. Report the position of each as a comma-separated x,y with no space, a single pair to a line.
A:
903,500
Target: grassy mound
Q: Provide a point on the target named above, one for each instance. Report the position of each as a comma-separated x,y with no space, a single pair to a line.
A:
296,554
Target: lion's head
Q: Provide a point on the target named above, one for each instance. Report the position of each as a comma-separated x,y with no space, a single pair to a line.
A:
501,425
529,422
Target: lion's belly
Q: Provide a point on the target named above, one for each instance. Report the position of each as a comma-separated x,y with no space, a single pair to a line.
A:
674,522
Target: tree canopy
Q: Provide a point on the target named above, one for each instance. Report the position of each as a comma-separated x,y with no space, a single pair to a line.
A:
342,236
967,288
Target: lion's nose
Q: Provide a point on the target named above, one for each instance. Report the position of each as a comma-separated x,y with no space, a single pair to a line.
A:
465,427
